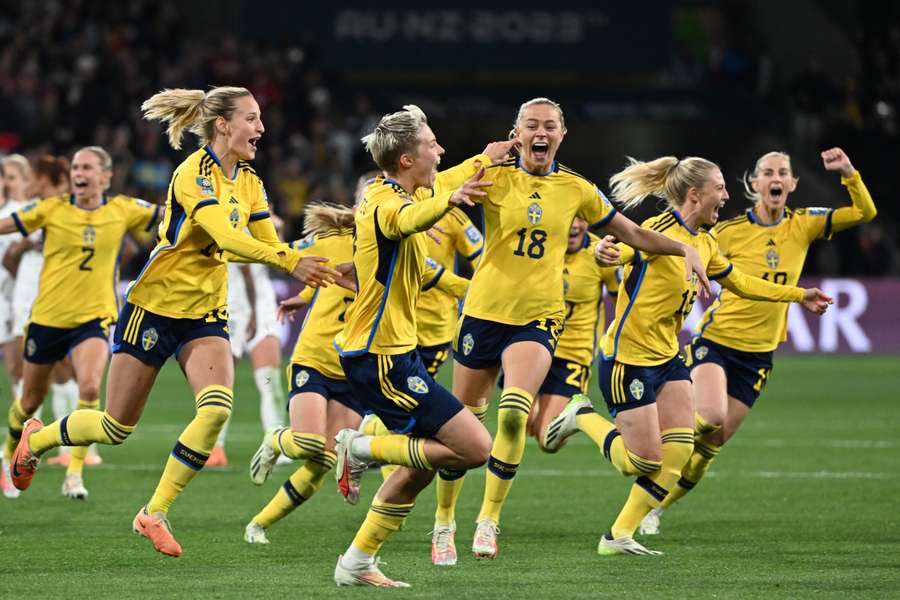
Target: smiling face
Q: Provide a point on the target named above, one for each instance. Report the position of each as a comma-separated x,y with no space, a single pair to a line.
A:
89,179
244,129
540,131
774,182
709,198
577,231
424,163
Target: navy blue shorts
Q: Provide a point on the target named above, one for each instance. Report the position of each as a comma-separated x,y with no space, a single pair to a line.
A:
306,380
400,391
434,357
627,386
479,344
44,345
153,338
566,378
747,372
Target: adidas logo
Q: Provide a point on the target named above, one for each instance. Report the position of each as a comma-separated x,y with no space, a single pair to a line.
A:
233,200
771,242
536,196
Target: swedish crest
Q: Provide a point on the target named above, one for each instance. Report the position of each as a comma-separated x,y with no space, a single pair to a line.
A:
772,259
417,385
636,388
30,347
89,235
535,212
467,344
701,352
149,339
234,217
301,378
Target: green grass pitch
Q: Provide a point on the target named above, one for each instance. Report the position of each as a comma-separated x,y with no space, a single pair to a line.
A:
802,503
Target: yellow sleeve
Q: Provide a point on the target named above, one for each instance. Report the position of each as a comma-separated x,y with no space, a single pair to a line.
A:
436,276
754,288
862,209
611,277
210,216
260,225
452,178
596,208
141,216
627,255
467,239
400,217
306,294
32,217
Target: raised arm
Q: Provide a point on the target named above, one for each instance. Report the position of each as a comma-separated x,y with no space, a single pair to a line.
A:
862,209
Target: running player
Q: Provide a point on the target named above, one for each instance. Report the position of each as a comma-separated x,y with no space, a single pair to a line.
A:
378,342
734,343
514,310
646,385
177,305
76,303
321,403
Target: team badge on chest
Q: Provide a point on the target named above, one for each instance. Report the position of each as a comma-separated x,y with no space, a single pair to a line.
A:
535,212
234,217
89,235
772,259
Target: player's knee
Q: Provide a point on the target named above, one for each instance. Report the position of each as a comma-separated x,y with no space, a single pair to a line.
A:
512,422
89,390
116,432
215,416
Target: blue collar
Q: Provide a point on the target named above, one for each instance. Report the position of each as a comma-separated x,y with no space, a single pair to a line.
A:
751,216
681,221
554,167
103,202
215,158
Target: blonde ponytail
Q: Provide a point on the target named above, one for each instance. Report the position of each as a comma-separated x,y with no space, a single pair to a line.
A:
322,217
192,110
668,178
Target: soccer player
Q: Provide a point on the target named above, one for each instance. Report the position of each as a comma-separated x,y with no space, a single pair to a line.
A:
378,342
321,403
734,342
177,305
645,383
514,310
76,304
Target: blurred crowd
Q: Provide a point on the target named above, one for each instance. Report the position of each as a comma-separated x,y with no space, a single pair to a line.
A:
74,73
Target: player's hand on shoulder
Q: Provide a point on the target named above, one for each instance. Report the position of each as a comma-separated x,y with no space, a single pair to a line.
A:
835,159
471,191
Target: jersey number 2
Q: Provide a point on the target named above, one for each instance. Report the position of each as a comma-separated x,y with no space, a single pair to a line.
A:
89,254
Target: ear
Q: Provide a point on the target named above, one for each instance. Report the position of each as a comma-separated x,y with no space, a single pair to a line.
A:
753,187
221,125
406,161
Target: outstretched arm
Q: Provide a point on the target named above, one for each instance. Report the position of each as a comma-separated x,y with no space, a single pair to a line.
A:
862,209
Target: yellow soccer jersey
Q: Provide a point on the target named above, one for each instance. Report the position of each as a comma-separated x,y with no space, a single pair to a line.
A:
655,295
391,262
81,255
437,311
325,315
584,280
186,276
526,228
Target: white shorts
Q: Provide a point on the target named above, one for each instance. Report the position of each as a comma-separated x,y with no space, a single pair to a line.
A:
239,311
6,310
25,290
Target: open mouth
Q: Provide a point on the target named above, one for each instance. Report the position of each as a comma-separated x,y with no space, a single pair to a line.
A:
79,185
776,191
539,150
253,142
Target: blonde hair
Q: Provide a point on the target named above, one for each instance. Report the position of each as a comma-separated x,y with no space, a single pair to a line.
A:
18,161
324,216
535,102
106,162
192,110
668,177
396,134
748,178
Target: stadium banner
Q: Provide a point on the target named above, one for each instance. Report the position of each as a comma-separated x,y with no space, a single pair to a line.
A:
863,319
467,36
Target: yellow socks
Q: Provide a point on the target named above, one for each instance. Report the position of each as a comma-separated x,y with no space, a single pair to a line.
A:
609,440
294,444
16,418
382,520
301,486
450,482
76,461
704,453
649,491
193,446
507,451
400,450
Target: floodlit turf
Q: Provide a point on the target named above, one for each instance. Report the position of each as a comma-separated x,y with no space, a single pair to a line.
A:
804,502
